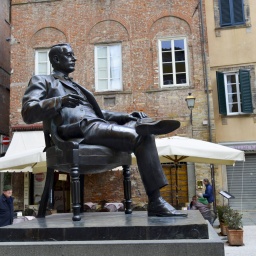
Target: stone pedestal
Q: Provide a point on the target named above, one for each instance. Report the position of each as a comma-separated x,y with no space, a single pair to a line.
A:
111,234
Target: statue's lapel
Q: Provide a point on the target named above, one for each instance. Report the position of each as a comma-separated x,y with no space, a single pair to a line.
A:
87,93
92,100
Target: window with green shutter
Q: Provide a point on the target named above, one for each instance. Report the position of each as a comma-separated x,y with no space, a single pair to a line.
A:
234,92
231,12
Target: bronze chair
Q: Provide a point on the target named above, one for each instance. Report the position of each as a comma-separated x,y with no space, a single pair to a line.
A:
75,159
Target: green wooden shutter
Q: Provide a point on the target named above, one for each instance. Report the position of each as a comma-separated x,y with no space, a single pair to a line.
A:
238,11
245,89
231,12
221,93
225,15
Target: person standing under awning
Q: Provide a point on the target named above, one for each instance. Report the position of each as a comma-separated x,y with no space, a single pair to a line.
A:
6,207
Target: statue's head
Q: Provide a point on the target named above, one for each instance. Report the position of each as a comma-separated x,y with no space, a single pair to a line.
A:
62,58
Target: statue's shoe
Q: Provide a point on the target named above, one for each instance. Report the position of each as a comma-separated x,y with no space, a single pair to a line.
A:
160,208
144,127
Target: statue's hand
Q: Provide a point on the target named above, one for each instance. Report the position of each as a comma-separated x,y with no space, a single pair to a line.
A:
121,118
72,100
139,115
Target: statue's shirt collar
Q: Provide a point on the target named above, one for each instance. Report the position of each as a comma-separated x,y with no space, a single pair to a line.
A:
61,76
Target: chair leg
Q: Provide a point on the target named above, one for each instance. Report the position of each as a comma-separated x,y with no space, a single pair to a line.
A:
75,191
127,189
45,196
82,192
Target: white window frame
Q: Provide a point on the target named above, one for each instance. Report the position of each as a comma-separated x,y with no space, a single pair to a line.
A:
228,101
173,63
49,66
109,87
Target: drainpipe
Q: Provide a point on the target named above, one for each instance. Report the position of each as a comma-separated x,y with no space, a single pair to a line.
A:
206,86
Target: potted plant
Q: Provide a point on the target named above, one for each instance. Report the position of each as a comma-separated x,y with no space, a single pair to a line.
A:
233,219
221,210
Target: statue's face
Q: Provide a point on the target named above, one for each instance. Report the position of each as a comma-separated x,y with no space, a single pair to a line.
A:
65,60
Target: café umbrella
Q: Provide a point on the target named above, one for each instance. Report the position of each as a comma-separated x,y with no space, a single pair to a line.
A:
182,149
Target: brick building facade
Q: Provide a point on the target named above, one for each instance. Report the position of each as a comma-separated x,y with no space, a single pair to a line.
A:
139,27
5,70
5,74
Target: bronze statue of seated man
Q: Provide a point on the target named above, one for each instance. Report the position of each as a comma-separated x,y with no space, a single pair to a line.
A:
79,118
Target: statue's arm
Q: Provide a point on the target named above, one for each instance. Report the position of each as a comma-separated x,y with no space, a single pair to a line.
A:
121,117
118,117
36,106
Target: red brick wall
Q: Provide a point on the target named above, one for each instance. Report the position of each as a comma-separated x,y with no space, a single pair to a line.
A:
5,70
108,186
137,24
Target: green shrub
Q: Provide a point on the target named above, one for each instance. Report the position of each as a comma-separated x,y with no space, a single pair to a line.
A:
221,209
233,219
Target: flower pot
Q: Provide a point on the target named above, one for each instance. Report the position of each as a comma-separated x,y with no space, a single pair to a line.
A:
223,228
235,237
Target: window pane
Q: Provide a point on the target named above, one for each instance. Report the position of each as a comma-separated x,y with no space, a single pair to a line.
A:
167,68
115,73
168,79
233,88
42,62
231,79
233,107
109,64
166,46
115,61
115,84
103,84
179,44
234,98
103,73
180,67
179,56
102,52
167,57
181,79
42,57
231,84
102,63
173,52
42,69
115,51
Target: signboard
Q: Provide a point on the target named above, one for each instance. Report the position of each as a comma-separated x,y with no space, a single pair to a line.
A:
63,177
226,194
5,140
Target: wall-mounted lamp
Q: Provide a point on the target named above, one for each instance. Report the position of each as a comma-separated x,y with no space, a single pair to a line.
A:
190,103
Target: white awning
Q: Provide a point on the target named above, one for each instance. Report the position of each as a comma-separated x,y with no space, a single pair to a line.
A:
25,153
26,150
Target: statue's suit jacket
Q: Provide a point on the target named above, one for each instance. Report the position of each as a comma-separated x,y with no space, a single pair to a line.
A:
42,102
